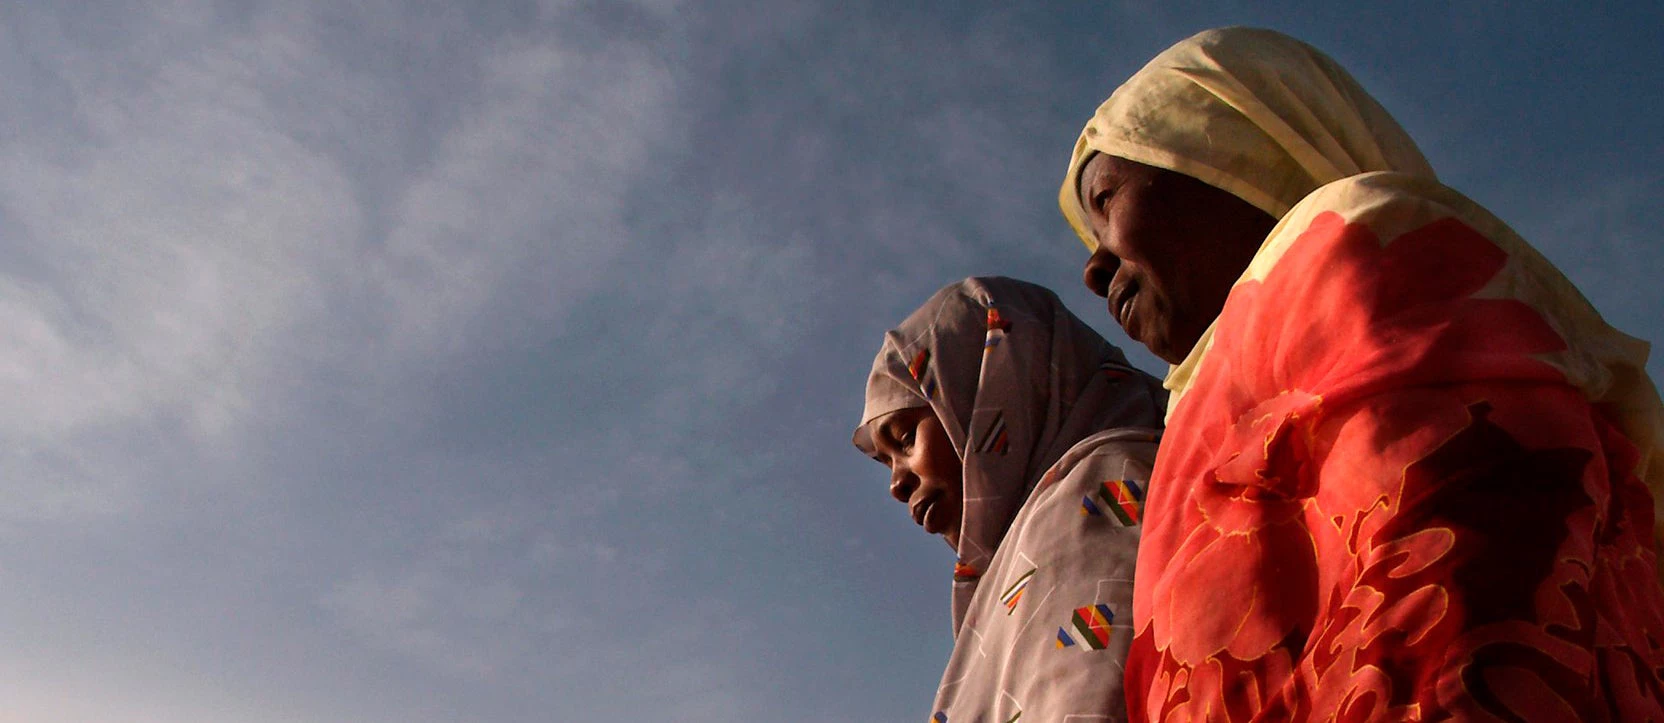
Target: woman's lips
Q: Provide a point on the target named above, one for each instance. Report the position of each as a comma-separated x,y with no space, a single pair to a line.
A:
1124,309
928,514
934,522
920,508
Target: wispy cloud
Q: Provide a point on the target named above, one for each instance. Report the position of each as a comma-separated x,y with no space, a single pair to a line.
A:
192,255
437,361
171,239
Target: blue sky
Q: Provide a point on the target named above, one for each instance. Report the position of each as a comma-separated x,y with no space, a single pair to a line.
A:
496,362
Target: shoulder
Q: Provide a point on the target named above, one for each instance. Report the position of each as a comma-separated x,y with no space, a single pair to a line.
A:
1381,206
1122,452
1386,206
1102,476
1367,195
1382,281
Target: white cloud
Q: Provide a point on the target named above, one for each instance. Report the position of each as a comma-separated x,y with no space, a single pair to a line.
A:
526,194
197,252
175,240
170,238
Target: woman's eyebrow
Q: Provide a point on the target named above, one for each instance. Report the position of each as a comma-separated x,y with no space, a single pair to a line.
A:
1086,191
884,433
880,445
881,440
893,434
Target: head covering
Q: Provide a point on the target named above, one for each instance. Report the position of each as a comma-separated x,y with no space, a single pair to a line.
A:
1253,112
1016,380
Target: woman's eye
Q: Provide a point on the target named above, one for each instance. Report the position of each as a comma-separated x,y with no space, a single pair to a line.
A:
1102,199
893,439
900,440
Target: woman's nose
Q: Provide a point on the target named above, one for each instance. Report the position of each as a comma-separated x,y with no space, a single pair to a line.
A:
902,483
1100,269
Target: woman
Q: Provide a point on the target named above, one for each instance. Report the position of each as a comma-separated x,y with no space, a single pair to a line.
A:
1409,472
1025,440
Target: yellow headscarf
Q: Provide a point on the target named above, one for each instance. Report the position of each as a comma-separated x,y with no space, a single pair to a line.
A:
1270,120
1250,111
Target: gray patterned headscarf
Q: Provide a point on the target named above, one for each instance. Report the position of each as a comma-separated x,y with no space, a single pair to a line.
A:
1016,380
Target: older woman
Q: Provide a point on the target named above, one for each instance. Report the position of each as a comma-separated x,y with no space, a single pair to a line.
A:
1025,440
1409,472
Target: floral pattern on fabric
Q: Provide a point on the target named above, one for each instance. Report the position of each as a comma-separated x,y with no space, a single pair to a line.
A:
1387,507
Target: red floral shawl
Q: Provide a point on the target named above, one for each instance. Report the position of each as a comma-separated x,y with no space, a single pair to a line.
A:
1381,498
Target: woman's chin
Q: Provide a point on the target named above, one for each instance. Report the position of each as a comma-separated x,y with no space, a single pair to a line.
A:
937,520
1161,345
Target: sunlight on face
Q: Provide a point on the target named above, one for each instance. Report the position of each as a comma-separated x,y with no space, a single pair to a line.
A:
925,471
1169,249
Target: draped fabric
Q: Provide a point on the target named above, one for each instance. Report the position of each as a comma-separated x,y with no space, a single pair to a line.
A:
1016,380
1392,505
1057,434
1253,112
1046,636
1409,472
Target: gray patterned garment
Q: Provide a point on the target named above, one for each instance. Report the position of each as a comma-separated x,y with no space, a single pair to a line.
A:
1057,434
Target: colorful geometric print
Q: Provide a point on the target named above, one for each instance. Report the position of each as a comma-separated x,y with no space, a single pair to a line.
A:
1091,624
1123,497
1126,500
1063,639
1088,508
965,573
996,322
918,370
997,329
996,440
1014,593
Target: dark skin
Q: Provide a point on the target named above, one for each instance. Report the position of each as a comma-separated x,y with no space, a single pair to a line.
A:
1169,249
925,471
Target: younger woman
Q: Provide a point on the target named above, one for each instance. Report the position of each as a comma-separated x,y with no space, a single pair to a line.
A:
1025,440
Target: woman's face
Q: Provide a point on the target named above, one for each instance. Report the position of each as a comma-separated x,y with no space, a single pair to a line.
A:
1169,249
925,471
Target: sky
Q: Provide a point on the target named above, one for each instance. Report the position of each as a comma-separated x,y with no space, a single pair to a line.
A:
380,361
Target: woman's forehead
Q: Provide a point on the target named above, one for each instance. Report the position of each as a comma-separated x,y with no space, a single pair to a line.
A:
1092,168
1110,168
903,417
